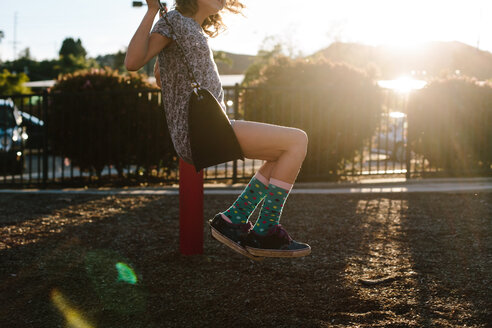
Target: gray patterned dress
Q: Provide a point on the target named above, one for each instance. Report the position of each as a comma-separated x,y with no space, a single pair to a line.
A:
175,81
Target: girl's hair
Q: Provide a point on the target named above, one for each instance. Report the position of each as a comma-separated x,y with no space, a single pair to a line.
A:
213,24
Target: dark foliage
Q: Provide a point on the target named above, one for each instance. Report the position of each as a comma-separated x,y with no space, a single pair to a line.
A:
336,105
449,124
72,47
99,118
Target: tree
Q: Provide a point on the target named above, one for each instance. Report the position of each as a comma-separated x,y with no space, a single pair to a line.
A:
72,47
11,84
264,58
221,56
36,71
26,53
119,61
116,61
72,57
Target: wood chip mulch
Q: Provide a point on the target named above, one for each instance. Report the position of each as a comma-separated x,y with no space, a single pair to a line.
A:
380,260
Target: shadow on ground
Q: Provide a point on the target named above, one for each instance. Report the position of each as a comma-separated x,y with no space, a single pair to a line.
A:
385,260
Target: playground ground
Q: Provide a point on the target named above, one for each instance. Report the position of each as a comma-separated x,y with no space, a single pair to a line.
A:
378,260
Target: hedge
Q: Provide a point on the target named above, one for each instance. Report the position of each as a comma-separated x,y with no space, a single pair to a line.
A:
449,123
98,117
337,105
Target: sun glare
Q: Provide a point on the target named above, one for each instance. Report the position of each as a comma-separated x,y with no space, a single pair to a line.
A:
403,84
401,25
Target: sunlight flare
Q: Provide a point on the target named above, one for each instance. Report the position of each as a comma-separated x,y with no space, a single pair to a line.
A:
403,84
126,273
73,317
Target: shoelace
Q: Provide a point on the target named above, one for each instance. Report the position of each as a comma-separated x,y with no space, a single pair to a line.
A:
280,232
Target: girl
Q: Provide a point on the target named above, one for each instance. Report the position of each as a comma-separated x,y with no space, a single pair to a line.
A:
283,148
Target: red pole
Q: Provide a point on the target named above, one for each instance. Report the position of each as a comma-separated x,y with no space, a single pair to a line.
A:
190,209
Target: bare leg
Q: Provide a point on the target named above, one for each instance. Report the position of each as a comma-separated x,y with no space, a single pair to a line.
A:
279,170
266,169
284,148
288,165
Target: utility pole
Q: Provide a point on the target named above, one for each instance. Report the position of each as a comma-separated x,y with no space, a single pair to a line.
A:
2,35
14,43
480,26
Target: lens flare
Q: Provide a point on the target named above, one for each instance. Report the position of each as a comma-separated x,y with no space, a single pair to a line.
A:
125,273
73,317
115,282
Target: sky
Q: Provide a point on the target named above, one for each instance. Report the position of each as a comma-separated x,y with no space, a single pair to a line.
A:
106,26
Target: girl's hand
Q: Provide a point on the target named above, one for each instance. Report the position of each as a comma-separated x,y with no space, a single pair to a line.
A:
157,74
153,5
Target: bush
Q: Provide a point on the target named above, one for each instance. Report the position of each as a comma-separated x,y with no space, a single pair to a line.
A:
99,118
337,105
449,123
11,84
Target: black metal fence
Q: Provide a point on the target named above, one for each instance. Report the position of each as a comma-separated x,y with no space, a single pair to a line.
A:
31,158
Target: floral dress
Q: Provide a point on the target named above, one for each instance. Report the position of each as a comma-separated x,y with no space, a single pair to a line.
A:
176,84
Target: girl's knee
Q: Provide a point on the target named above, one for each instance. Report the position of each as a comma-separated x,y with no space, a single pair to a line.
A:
302,140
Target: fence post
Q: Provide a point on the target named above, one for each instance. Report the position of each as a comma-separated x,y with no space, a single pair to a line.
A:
236,115
407,144
45,138
190,209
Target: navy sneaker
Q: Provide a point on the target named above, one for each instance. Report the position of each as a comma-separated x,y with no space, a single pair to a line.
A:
276,243
232,235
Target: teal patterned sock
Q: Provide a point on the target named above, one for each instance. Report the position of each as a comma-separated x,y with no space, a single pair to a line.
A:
278,191
246,203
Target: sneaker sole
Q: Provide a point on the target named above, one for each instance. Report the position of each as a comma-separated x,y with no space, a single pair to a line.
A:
278,253
234,246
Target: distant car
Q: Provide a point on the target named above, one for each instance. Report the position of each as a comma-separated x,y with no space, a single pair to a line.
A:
12,138
34,129
392,142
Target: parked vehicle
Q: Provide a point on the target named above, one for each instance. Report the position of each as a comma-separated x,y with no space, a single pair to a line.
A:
12,138
34,129
392,139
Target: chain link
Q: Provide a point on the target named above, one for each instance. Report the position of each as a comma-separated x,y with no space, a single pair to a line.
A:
194,83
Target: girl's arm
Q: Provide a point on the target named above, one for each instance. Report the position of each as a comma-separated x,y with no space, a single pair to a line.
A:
145,45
